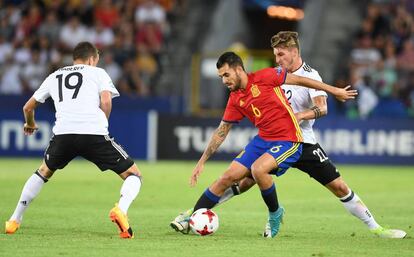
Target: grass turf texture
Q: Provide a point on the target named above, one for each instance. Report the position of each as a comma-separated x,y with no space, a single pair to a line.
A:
70,216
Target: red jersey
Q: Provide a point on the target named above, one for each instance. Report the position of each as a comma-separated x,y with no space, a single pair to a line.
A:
265,105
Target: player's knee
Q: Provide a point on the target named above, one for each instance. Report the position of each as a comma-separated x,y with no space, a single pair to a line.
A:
45,171
133,170
258,170
339,187
227,180
246,184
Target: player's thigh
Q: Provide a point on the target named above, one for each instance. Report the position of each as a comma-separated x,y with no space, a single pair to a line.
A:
236,171
284,154
253,150
60,151
105,153
264,164
315,162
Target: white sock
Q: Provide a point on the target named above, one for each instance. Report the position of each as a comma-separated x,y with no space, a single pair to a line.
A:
129,190
229,193
356,207
30,190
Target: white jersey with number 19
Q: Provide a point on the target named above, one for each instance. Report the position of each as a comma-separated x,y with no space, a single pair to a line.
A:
300,98
75,91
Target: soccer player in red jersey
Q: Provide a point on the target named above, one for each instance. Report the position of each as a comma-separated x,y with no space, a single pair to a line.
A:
309,105
277,146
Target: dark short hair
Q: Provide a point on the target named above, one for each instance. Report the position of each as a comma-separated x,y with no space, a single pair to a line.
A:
231,59
84,50
285,39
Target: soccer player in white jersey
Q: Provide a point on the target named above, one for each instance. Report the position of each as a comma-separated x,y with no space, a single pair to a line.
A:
308,105
82,95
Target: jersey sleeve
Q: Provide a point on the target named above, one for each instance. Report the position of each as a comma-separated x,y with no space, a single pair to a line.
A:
42,93
313,92
105,83
231,114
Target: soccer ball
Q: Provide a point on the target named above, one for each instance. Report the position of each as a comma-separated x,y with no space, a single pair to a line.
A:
204,222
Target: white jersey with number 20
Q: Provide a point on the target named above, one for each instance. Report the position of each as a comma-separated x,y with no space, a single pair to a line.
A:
75,91
300,98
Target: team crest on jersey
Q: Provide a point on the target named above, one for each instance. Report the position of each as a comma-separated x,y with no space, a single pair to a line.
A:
255,90
241,102
279,70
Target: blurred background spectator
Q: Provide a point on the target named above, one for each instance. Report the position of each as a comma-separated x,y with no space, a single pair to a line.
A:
382,60
149,46
36,37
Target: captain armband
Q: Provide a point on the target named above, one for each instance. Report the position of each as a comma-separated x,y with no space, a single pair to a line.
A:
316,111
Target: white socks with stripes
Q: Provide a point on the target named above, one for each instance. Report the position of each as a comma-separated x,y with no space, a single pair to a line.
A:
129,191
356,207
30,190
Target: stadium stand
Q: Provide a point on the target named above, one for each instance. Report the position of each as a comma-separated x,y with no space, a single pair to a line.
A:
37,37
381,60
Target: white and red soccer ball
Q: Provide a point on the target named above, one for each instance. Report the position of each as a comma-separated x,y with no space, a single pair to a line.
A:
204,222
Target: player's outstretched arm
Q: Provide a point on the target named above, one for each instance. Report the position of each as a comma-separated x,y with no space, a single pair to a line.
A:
342,94
319,109
216,140
29,121
106,103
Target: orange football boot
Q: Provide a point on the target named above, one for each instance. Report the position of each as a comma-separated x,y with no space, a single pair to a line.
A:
11,226
121,220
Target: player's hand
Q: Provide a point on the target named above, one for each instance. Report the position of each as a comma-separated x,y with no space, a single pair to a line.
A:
346,93
29,129
298,117
196,173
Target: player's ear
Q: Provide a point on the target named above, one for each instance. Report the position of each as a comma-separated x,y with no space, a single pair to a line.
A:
295,51
239,69
91,61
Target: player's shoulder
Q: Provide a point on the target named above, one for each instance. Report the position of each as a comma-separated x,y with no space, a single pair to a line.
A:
307,71
80,68
268,70
94,69
267,73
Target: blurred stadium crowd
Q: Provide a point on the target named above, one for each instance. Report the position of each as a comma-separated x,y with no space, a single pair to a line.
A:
382,60
36,37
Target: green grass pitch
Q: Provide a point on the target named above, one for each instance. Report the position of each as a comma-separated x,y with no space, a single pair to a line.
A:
70,216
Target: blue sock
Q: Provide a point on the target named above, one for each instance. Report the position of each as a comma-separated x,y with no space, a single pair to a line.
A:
270,198
206,200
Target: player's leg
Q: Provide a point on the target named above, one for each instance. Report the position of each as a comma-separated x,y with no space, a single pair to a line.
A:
315,162
352,203
234,173
356,207
279,157
237,170
260,171
211,196
129,191
236,189
105,153
180,222
130,188
30,190
57,155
